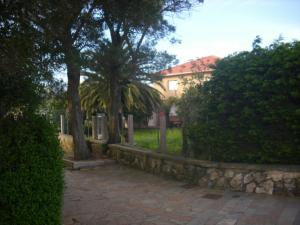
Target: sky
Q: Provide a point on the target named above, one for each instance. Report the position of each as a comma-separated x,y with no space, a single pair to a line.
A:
222,27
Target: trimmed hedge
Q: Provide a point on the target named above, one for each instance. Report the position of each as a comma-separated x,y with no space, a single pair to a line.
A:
31,172
250,110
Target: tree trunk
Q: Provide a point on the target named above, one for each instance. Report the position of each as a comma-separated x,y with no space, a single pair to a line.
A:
114,107
81,150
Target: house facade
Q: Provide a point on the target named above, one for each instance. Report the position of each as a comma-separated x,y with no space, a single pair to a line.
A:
178,78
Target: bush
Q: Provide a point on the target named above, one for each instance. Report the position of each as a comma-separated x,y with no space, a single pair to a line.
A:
31,175
250,110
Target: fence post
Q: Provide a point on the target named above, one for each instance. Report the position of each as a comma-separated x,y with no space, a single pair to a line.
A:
163,133
94,127
62,124
104,132
98,126
130,130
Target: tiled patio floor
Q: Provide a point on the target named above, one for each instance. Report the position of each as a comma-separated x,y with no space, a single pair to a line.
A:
116,195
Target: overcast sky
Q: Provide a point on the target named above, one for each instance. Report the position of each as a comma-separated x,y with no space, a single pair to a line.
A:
221,27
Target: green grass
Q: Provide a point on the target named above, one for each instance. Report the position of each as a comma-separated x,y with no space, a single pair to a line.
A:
149,139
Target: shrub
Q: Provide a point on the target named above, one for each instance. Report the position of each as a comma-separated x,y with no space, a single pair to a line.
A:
249,110
31,178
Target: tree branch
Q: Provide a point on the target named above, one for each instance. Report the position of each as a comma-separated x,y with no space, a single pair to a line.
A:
82,23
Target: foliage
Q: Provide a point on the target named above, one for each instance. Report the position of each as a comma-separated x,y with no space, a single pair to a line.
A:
67,34
22,67
149,139
166,106
127,53
31,179
54,99
138,98
249,110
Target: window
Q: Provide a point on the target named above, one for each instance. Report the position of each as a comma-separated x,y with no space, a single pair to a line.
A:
173,85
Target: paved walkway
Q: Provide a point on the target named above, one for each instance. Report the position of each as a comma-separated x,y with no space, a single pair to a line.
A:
115,195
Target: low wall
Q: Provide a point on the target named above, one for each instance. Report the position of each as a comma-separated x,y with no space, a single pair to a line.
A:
256,178
97,147
66,143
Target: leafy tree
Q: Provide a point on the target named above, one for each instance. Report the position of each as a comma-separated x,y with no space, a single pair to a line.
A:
127,52
22,69
249,110
132,29
68,27
31,166
54,99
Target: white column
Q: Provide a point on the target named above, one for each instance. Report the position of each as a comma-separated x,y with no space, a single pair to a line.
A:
94,127
62,124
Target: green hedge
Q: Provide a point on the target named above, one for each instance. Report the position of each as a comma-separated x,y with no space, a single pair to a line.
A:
250,110
31,172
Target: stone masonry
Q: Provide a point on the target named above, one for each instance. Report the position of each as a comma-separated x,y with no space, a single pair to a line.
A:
255,178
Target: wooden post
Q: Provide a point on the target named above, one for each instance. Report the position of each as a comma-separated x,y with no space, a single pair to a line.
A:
94,127
163,133
130,130
62,124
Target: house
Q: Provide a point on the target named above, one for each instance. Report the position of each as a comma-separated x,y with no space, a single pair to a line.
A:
176,79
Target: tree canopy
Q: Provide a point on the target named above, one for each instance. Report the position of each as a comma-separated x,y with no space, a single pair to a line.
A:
119,36
22,66
126,54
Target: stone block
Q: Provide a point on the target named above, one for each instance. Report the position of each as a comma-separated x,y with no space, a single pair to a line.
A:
275,175
248,178
229,173
265,187
236,182
278,187
291,175
250,188
213,175
289,184
220,182
259,177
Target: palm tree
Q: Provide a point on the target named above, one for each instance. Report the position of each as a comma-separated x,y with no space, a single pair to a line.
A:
137,97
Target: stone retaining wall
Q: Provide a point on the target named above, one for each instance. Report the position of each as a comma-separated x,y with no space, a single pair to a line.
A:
96,147
268,179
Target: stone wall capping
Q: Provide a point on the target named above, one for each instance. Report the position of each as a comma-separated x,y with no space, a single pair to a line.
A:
205,163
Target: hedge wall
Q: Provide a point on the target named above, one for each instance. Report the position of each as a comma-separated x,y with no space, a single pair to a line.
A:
250,110
31,175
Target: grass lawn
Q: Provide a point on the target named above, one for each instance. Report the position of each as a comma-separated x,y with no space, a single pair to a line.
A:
149,138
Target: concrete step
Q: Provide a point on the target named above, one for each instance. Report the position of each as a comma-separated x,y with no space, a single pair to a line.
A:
76,165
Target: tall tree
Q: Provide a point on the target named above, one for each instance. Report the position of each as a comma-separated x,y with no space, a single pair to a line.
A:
68,27
127,53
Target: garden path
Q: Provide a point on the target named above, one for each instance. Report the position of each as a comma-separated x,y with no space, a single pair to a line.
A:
116,195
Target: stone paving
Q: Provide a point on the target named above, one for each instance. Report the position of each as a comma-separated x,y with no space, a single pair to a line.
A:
117,195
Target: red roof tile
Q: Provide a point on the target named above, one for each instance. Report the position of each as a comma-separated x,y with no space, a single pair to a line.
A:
198,65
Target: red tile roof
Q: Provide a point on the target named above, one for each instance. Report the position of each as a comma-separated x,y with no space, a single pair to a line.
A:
198,65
